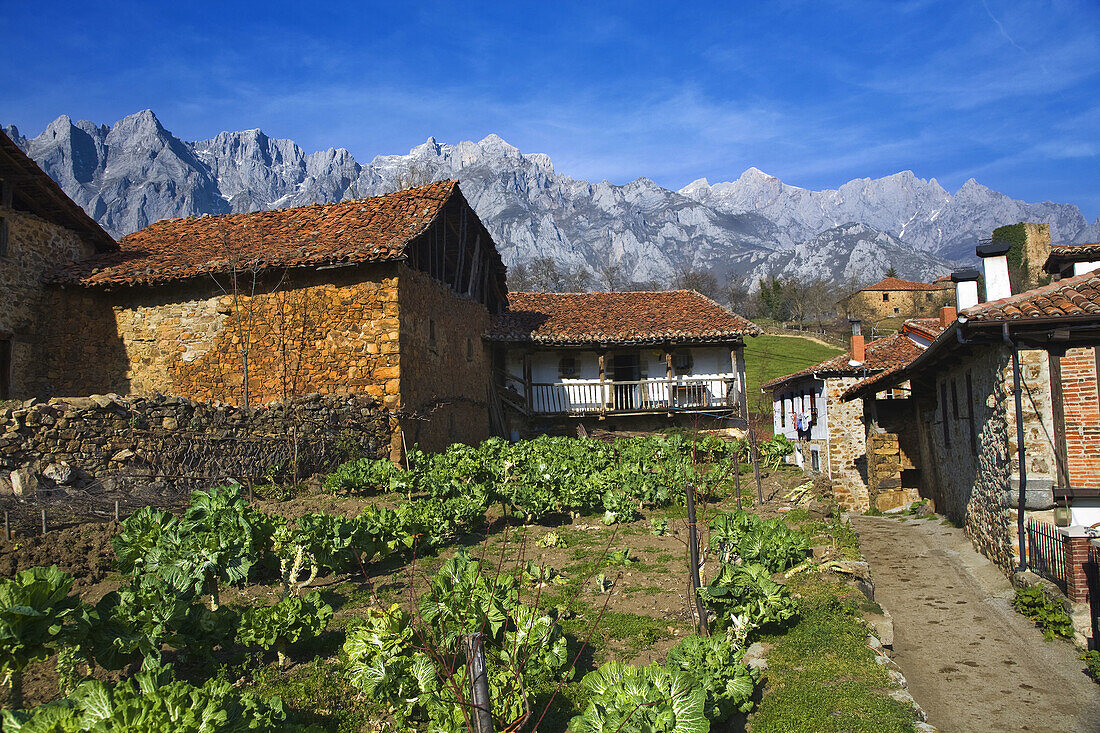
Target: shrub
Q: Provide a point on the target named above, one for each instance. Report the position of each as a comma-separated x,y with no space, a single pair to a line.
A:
1048,615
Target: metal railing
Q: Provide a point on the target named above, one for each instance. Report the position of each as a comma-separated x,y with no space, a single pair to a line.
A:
642,395
1046,552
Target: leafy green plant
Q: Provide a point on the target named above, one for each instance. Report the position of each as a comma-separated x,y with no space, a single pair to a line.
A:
769,542
284,623
150,702
35,608
621,557
641,700
775,449
716,663
658,527
747,590
619,507
1048,615
1092,664
550,539
541,576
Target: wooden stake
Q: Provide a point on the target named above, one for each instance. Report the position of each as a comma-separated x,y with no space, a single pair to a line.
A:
756,467
7,527
693,558
116,511
43,522
479,684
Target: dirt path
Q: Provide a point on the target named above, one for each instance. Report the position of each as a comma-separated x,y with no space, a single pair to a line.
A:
972,662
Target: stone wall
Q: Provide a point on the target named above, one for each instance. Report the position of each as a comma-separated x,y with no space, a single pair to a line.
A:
868,304
975,484
162,445
445,368
1081,405
886,460
847,445
35,246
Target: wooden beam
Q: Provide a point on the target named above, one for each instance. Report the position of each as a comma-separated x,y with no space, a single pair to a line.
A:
1058,410
527,389
601,360
6,189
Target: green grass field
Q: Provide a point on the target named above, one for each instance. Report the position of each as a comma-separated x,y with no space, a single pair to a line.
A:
768,357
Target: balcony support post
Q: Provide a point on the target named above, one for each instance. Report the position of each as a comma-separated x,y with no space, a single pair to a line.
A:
602,358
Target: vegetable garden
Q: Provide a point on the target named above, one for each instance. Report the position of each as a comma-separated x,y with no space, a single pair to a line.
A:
543,584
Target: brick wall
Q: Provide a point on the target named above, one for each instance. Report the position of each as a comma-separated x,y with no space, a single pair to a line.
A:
1081,404
34,247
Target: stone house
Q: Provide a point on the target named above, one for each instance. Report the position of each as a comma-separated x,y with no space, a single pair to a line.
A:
386,297
40,229
893,297
1007,395
629,360
836,441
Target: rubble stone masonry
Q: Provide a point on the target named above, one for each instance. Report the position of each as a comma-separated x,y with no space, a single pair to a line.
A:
847,445
154,443
34,247
382,331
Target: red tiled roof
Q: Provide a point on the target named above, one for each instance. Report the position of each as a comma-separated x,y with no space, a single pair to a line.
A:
1065,253
883,377
375,229
893,283
883,353
929,328
1072,297
616,318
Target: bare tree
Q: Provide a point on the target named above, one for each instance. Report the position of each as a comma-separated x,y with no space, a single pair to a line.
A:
700,281
613,276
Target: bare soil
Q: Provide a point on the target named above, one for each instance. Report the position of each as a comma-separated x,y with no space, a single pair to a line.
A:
972,662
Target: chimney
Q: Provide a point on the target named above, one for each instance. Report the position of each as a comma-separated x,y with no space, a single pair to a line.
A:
947,315
966,288
858,352
995,260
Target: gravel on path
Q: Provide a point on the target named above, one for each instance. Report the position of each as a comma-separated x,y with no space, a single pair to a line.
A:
971,661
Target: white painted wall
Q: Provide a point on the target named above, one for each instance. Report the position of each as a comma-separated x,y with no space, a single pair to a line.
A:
782,404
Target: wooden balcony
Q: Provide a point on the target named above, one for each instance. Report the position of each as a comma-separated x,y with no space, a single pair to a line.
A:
644,396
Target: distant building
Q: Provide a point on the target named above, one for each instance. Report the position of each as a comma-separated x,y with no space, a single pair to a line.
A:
1068,260
626,360
893,297
834,440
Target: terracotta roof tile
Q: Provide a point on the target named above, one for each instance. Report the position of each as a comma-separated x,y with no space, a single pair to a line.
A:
883,378
1072,297
616,318
883,353
930,328
365,230
893,283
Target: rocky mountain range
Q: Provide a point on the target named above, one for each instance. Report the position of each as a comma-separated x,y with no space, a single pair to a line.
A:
136,172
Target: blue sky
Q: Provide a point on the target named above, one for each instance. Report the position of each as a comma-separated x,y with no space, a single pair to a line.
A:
816,93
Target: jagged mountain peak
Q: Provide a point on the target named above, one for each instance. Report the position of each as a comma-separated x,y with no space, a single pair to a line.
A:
137,172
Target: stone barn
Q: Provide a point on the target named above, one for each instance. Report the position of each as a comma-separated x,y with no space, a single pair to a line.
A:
40,229
386,297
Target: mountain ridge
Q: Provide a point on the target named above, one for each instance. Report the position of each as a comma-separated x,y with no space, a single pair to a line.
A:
136,172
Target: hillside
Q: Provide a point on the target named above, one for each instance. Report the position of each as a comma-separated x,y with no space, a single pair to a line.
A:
769,356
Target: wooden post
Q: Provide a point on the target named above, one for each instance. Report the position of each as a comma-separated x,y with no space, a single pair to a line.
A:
693,558
43,522
116,510
527,388
602,359
7,527
479,684
756,465
737,477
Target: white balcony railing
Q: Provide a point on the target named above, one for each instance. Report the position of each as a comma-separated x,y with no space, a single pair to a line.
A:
643,395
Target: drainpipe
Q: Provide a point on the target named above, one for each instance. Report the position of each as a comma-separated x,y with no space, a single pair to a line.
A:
1021,498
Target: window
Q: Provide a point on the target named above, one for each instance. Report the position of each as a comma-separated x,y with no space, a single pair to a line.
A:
897,311
928,296
815,460
567,367
886,297
469,350
783,411
943,414
970,409
431,333
954,399
682,362
813,409
5,369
